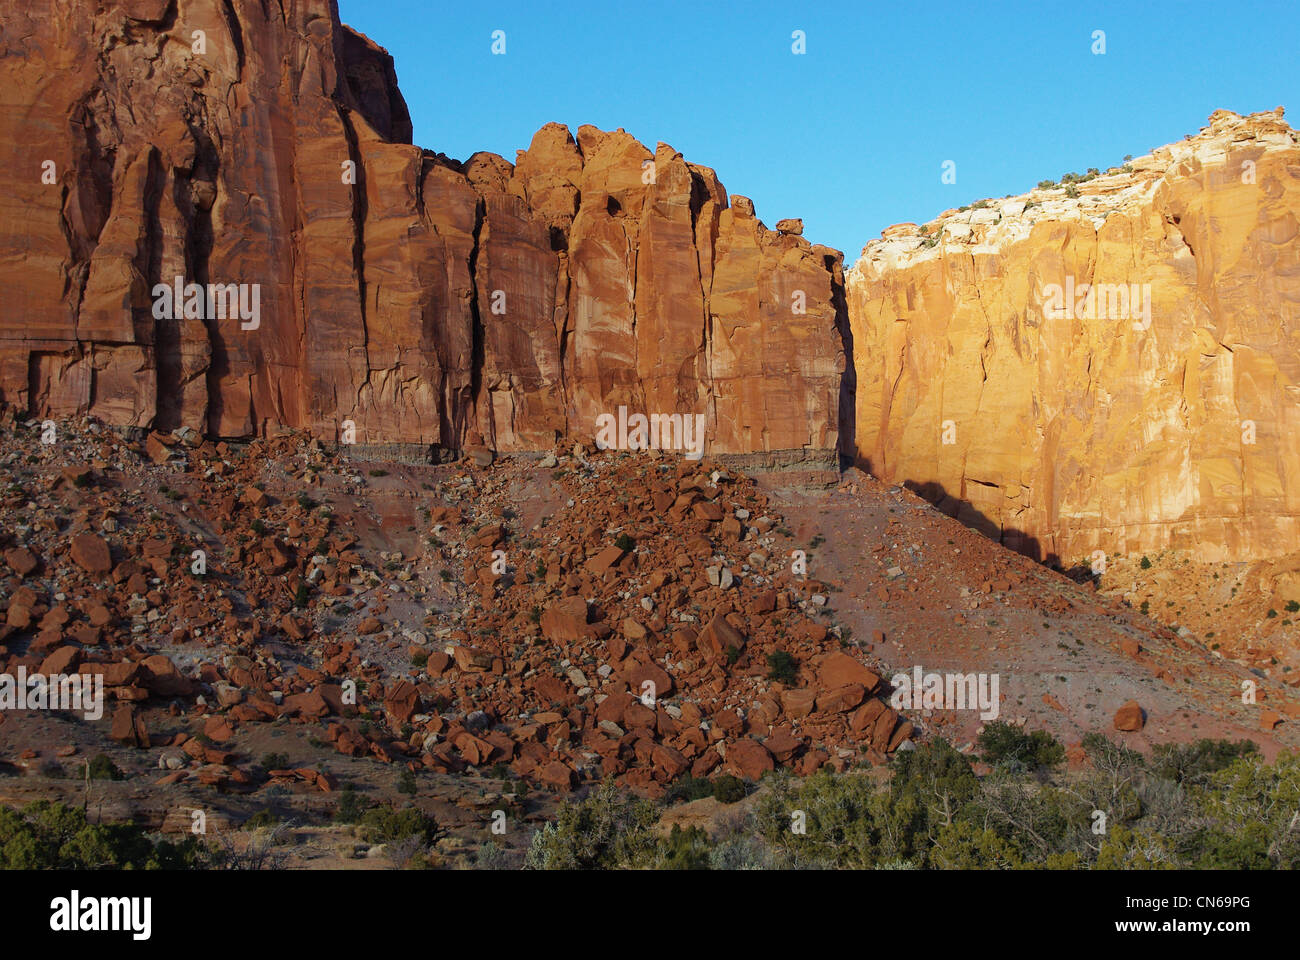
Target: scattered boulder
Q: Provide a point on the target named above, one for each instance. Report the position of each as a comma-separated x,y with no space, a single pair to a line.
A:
1130,718
91,553
565,620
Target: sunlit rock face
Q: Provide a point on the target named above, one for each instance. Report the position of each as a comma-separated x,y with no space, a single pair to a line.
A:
1161,409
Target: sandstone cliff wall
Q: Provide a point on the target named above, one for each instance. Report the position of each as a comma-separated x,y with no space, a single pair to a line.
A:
1100,428
425,300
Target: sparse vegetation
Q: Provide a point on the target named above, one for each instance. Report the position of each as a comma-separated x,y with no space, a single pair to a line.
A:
52,836
102,767
782,667
351,805
385,824
1002,744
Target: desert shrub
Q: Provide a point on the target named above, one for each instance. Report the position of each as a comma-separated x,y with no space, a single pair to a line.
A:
683,850
1254,813
724,789
385,824
851,821
263,818
729,789
603,830
838,815
1126,848
1220,850
1210,805
963,846
52,836
1195,762
781,666
1110,757
103,768
1001,743
686,789
351,805
491,856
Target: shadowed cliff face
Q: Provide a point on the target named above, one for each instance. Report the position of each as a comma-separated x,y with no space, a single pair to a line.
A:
426,301
1163,413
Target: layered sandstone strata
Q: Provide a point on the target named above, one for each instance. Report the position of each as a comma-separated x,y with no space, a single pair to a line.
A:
1066,428
402,296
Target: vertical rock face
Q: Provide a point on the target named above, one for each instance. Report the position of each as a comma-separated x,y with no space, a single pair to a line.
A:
424,300
1065,422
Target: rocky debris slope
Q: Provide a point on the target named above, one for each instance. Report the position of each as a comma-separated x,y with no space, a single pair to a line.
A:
640,626
402,297
652,629
1064,426
587,616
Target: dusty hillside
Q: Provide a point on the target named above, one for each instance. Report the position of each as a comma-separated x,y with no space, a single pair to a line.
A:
501,624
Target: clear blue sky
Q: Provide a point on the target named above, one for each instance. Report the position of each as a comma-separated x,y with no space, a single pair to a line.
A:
851,136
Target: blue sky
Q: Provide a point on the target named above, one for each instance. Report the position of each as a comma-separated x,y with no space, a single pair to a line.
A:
851,135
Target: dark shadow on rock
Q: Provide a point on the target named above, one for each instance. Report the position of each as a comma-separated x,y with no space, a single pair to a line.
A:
1012,538
847,413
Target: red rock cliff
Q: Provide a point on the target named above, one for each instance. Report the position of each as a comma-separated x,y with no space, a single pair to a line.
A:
423,299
